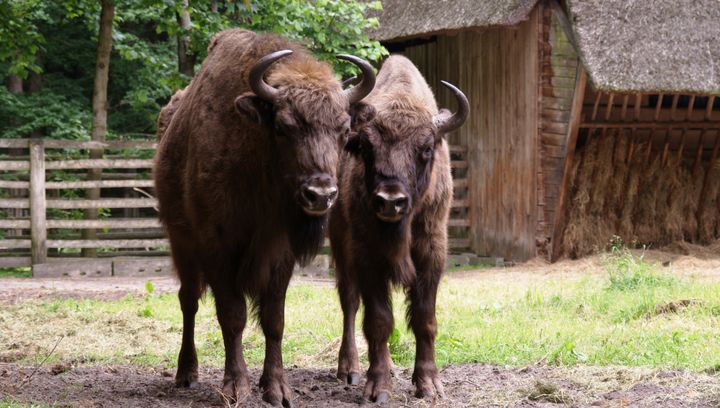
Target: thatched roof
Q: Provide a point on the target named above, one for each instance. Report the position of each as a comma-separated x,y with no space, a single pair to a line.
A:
405,19
649,45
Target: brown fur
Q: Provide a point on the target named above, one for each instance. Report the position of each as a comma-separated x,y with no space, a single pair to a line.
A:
370,253
167,112
227,177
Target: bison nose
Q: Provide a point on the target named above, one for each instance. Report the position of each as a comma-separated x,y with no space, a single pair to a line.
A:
391,207
318,194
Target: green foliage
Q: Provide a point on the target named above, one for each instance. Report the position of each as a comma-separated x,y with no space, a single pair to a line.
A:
149,287
15,273
328,27
20,36
59,40
628,272
57,116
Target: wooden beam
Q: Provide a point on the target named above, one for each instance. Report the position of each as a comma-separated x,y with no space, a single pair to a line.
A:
14,203
15,244
107,243
102,203
99,184
706,181
459,164
457,243
458,149
458,223
575,118
15,261
14,224
460,183
14,165
100,164
564,24
650,125
38,209
78,144
459,203
73,268
106,223
14,184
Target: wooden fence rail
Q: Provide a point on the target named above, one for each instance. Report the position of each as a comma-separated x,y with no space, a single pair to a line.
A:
30,174
47,243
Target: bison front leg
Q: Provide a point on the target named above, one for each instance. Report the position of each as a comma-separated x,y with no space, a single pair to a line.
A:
377,326
423,294
232,315
272,320
348,362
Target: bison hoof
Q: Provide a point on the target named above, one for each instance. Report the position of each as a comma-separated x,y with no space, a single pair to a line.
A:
428,386
377,389
236,389
353,378
383,397
276,391
186,379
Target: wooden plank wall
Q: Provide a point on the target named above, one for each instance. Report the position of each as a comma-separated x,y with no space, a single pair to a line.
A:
558,61
498,69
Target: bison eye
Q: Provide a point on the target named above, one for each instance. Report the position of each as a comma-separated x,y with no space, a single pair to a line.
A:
427,153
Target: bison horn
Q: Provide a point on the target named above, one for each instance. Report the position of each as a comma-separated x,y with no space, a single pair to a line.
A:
257,82
361,90
446,123
350,81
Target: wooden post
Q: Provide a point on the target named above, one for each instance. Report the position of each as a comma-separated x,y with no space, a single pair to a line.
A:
38,226
573,129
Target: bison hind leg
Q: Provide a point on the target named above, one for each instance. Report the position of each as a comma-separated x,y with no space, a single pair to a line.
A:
190,291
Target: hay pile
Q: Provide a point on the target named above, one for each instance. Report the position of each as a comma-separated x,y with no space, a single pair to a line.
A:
643,201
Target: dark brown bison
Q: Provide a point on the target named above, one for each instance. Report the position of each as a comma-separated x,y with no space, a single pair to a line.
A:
390,223
167,112
245,174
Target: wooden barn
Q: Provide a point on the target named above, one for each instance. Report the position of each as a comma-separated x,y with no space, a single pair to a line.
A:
590,118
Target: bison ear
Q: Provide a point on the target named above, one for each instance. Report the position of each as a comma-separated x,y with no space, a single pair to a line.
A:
361,113
252,107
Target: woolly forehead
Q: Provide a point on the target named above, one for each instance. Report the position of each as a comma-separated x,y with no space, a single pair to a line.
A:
404,118
311,90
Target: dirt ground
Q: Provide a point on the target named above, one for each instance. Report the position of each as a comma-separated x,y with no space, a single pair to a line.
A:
466,386
75,384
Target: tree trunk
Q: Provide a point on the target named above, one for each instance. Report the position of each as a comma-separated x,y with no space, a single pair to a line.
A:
186,58
99,107
34,83
15,86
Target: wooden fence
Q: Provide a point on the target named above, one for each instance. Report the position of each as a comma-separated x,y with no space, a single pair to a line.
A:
43,220
43,184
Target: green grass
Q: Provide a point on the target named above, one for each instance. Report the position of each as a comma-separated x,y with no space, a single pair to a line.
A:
505,318
15,273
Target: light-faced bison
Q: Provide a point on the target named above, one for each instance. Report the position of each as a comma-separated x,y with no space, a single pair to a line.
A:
390,223
245,174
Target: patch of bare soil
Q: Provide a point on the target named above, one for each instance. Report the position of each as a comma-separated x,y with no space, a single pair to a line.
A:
466,386
14,290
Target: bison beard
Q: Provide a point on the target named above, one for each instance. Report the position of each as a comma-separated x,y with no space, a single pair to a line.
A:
258,124
306,237
389,225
